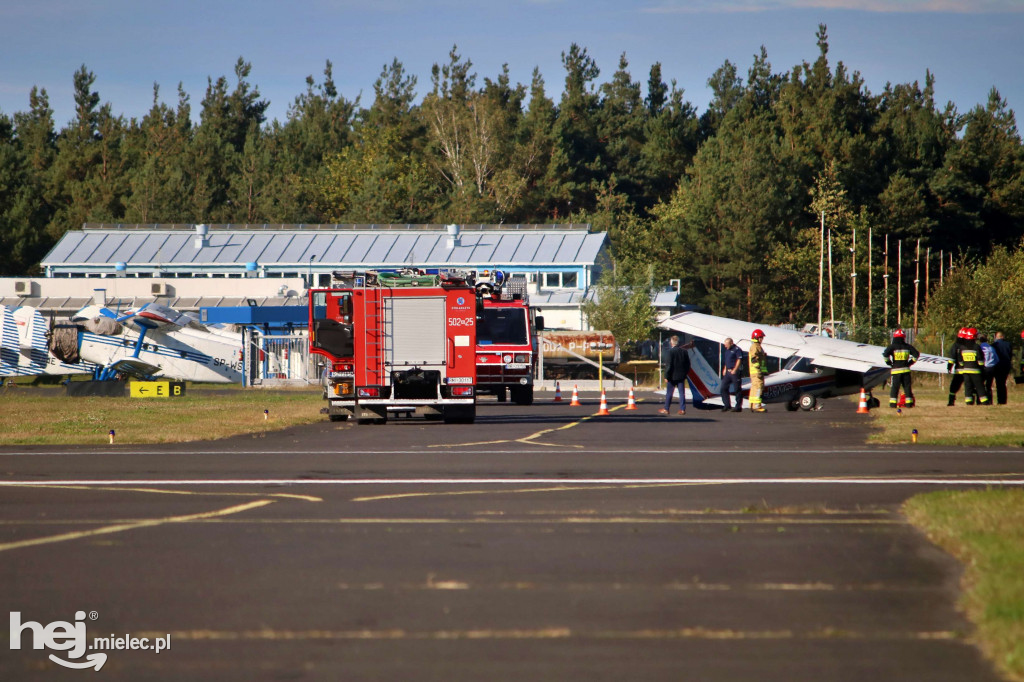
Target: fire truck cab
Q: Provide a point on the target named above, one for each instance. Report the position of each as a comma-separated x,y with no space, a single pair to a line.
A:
396,343
506,338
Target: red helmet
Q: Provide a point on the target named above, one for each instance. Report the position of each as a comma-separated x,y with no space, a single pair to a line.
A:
970,333
757,334
1022,334
898,334
962,333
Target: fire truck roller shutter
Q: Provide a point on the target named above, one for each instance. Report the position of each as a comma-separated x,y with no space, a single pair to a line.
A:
415,331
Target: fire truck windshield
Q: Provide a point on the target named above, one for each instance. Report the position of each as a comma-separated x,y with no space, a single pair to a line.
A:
502,325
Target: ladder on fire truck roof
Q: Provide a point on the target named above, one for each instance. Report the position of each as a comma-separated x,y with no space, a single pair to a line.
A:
374,318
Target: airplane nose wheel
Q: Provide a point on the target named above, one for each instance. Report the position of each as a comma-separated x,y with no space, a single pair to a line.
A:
807,402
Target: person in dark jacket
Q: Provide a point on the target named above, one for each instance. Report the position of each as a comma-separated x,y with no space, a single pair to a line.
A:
675,374
1004,363
900,355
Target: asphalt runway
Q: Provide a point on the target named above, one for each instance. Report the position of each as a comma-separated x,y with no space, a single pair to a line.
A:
541,543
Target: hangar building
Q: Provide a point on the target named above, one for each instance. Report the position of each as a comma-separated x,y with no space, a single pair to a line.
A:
193,266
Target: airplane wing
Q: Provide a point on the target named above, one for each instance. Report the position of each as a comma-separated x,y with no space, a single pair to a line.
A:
786,343
156,316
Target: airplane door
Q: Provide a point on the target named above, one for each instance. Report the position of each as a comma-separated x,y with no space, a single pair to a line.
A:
253,370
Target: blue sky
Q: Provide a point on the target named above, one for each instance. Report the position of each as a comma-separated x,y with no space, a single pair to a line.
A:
969,45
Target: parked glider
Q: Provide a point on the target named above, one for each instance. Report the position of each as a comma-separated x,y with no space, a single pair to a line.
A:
815,366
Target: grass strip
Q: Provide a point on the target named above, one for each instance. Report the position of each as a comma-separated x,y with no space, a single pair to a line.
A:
984,529
938,424
33,416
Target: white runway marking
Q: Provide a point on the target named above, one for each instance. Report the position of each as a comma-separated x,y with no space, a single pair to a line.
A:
860,481
434,452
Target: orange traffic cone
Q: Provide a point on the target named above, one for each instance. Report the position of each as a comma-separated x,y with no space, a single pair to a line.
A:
863,407
630,401
603,410
575,396
558,393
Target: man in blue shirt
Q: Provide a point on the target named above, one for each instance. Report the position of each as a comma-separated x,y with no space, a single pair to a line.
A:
988,372
732,361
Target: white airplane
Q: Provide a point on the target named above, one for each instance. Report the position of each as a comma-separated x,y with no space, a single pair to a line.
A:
815,366
23,349
154,341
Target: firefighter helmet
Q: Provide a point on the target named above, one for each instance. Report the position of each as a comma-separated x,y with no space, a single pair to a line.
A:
970,333
961,333
757,334
898,334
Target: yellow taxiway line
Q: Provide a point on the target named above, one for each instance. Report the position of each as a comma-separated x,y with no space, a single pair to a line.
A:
133,525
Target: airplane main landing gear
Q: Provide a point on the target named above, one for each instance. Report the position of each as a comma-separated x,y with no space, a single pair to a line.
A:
807,401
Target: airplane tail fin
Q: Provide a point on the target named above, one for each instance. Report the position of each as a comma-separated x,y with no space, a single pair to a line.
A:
10,345
22,342
705,384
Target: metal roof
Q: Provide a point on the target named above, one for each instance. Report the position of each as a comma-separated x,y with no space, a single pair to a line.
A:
336,246
561,298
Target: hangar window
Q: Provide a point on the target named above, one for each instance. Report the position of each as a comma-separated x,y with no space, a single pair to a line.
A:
560,280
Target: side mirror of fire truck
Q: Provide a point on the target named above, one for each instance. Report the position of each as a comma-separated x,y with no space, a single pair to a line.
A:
538,322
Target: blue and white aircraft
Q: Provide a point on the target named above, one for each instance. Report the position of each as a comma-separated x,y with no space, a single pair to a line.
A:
154,341
815,366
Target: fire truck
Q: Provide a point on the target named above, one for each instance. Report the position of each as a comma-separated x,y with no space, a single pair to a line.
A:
396,343
506,339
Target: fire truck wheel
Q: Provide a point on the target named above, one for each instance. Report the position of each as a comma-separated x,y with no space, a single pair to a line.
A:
522,395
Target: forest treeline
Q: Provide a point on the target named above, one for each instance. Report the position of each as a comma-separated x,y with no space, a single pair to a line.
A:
728,200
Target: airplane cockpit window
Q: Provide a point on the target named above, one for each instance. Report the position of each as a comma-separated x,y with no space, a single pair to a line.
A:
798,364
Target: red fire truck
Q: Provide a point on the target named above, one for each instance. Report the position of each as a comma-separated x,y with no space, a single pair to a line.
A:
396,343
506,339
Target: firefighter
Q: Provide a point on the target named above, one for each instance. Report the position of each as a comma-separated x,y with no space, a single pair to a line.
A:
1022,352
900,355
969,359
958,379
758,370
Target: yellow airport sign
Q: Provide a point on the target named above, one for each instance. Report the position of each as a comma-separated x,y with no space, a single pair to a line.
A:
157,389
